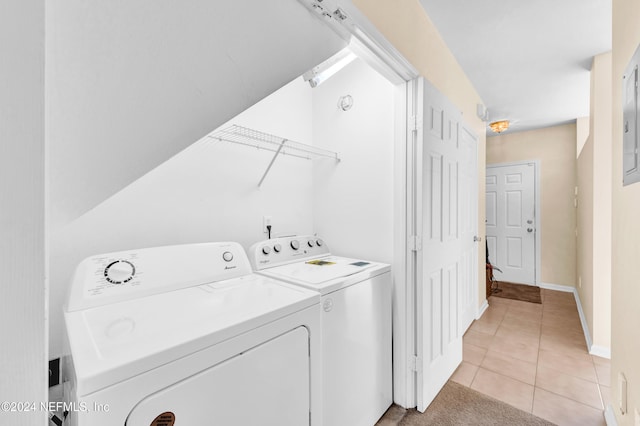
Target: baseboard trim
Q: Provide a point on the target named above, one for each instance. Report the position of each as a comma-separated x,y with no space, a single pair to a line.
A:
596,350
609,416
557,287
601,351
482,308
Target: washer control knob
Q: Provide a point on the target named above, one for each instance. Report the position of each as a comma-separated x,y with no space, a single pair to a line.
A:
319,243
266,250
119,272
227,256
295,244
310,243
277,248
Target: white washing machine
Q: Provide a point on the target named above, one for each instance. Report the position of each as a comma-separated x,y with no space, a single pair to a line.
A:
356,323
188,335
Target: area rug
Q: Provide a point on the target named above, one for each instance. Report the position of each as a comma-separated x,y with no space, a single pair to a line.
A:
526,293
459,405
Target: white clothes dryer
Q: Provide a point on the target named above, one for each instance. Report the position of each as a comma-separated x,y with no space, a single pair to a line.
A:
188,335
356,323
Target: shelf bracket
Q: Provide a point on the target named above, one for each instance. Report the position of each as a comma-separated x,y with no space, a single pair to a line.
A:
272,161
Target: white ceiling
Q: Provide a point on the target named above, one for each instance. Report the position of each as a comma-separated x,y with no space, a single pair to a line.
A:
529,60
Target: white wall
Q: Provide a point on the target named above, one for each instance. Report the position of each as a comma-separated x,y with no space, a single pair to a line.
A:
208,192
353,201
23,327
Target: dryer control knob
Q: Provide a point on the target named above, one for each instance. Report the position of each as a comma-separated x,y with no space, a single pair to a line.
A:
266,250
295,244
310,243
119,272
277,248
227,256
319,243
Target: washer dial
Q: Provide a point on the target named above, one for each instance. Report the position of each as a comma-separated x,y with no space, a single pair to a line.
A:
119,272
227,256
277,248
295,244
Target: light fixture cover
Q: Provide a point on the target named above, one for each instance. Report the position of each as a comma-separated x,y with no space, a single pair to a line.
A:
499,126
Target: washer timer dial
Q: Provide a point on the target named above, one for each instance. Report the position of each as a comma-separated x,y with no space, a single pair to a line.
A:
119,272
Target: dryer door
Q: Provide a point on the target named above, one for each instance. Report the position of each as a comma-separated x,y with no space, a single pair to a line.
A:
266,385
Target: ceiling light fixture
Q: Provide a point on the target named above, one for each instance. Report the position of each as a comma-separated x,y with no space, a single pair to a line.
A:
499,126
328,68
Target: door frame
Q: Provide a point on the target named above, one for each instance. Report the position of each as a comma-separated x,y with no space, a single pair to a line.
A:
371,46
536,208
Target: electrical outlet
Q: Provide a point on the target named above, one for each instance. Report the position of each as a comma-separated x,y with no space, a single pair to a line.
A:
54,372
266,221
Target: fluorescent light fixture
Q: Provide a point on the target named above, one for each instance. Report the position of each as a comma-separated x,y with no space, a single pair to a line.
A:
328,68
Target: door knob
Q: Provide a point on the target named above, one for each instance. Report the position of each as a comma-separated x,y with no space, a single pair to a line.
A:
529,229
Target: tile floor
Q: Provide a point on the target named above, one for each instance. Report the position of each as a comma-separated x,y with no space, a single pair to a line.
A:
534,357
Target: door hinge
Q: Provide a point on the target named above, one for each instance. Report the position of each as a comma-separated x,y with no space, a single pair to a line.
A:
415,243
415,364
416,123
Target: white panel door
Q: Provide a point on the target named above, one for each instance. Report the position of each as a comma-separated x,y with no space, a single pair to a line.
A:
511,222
446,220
468,155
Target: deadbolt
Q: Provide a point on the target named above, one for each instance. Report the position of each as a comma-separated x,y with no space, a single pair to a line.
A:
529,229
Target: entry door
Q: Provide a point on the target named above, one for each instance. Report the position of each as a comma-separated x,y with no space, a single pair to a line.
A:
446,221
511,230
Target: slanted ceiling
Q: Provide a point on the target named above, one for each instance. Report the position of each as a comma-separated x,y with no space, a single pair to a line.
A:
130,84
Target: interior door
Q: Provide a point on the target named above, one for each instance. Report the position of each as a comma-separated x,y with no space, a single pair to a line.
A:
444,200
511,221
468,154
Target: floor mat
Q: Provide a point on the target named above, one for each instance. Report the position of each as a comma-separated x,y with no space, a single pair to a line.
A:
458,405
526,293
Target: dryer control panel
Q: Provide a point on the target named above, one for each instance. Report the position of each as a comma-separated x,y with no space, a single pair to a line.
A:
115,277
280,251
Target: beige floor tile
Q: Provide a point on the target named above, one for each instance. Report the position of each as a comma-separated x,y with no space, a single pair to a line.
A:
605,392
509,366
577,365
564,411
574,388
600,361
516,349
604,374
566,321
495,314
517,336
506,389
523,315
563,344
473,354
519,305
560,308
477,338
465,373
520,325
498,301
484,326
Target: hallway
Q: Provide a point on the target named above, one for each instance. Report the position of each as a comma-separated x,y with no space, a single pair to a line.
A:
534,357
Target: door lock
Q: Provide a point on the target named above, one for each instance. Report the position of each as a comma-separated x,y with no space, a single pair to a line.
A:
529,229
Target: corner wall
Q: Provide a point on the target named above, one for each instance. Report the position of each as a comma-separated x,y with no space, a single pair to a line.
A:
555,147
625,284
594,211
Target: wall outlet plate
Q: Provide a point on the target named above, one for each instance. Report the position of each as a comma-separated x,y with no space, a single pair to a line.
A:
54,372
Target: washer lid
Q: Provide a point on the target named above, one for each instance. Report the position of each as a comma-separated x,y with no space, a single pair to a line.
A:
323,272
113,342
